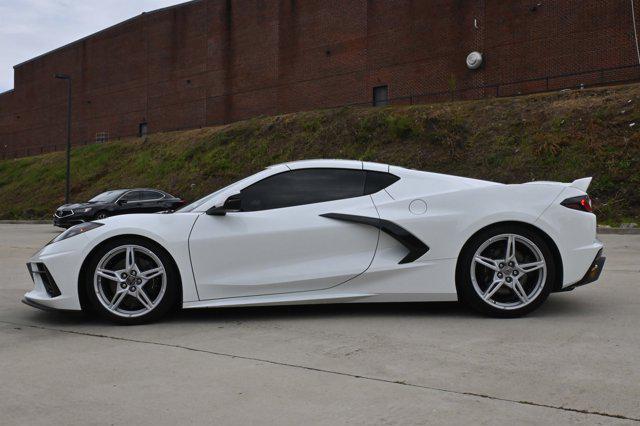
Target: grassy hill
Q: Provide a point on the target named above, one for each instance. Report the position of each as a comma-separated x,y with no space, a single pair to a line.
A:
560,136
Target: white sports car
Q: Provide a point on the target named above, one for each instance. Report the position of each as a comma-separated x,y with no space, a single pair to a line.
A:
330,231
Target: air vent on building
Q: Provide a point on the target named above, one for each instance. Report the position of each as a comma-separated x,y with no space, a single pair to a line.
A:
102,137
381,96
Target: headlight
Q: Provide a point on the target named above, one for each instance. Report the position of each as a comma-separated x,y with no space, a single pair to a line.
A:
76,230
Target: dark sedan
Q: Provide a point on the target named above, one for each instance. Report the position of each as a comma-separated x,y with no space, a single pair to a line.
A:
111,203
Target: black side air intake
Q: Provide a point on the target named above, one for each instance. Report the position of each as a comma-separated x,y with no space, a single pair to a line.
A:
47,280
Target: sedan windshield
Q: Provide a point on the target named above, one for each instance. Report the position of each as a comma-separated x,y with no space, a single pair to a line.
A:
107,197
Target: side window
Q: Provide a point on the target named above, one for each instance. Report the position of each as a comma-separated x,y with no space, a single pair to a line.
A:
151,195
377,181
299,187
132,196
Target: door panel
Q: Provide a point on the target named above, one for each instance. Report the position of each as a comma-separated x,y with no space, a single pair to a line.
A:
132,205
281,250
151,201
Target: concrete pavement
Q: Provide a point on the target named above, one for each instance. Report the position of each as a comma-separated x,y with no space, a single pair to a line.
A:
573,361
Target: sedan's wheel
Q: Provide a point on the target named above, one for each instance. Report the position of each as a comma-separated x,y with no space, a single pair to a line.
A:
132,281
507,271
101,215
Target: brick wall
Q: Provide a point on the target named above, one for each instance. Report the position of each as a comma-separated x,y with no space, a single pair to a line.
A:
215,61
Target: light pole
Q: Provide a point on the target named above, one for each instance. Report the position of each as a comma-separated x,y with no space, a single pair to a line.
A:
68,183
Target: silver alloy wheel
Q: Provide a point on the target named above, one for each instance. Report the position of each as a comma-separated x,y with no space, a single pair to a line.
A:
508,271
101,216
130,281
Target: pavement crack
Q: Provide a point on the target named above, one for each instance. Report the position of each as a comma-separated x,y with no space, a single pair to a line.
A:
327,371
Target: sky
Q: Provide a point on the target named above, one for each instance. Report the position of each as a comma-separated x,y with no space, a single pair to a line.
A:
29,28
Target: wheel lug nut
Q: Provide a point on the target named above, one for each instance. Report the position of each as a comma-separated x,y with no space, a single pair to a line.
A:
133,273
500,275
132,288
501,265
509,279
515,273
123,275
139,281
123,285
511,264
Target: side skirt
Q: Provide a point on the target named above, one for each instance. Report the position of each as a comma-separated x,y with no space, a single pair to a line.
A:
304,298
321,298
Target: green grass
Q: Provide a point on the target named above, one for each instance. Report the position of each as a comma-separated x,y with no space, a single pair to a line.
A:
543,137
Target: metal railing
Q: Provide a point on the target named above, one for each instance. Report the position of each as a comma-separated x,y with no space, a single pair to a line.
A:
577,80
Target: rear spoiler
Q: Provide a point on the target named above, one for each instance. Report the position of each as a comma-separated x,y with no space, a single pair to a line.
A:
581,184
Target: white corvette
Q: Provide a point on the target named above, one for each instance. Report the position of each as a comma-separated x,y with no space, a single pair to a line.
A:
330,231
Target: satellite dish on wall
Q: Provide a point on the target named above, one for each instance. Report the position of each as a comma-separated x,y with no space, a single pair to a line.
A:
474,60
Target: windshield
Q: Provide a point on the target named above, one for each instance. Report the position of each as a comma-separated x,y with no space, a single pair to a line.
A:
191,207
108,196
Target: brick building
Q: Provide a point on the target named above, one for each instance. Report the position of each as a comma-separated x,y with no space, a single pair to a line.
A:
214,61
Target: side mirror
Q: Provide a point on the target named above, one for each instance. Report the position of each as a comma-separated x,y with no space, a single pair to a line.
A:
231,205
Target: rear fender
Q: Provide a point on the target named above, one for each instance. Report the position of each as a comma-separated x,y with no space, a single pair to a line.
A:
452,218
574,233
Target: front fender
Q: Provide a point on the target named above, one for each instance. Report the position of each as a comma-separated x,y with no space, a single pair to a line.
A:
171,231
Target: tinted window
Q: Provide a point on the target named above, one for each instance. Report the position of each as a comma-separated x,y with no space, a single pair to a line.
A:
300,187
151,195
132,196
108,196
377,181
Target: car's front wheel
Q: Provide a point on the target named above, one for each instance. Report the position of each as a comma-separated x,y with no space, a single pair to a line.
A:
505,271
132,281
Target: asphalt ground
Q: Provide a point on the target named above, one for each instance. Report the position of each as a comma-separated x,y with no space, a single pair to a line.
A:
574,361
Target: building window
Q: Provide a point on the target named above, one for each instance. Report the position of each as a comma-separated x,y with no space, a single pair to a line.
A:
142,129
381,96
102,137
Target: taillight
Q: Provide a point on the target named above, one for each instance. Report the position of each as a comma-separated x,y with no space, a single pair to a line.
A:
582,203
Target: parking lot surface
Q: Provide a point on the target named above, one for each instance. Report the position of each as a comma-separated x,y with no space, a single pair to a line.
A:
574,361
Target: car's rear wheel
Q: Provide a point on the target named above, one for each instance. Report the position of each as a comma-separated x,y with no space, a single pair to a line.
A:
101,215
132,281
505,271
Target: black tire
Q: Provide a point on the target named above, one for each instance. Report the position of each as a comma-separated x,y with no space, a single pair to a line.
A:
164,302
101,215
468,294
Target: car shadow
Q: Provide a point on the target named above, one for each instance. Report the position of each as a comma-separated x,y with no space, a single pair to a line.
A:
554,307
567,306
266,313
342,310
